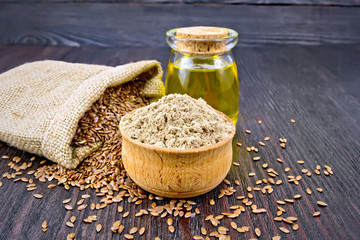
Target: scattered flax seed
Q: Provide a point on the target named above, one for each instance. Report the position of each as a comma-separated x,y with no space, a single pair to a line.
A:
279,160
142,231
226,181
300,162
285,230
280,202
262,144
289,200
320,190
197,237
121,229
38,196
92,206
133,230
266,138
44,224
73,219
287,169
257,158
295,227
66,200
308,191
237,182
251,174
82,207
283,145
238,144
51,186
292,120
70,236
197,211
297,196
128,236
68,207
212,202
276,237
125,215
169,221
316,214
257,232
157,238
187,215
5,156
321,204
80,202
85,196
171,228
233,225
248,131
259,121
98,227
120,209
44,229
236,164
70,224
1,183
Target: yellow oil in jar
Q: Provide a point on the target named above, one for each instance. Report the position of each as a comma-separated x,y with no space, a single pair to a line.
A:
219,87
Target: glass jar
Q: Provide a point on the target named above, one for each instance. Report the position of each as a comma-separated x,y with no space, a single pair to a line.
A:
202,65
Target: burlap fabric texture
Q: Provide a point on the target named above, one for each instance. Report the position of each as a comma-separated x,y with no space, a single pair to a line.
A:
42,102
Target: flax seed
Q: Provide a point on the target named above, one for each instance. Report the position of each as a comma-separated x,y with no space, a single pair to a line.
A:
285,230
70,224
68,207
321,204
316,214
128,236
257,232
142,231
133,230
44,224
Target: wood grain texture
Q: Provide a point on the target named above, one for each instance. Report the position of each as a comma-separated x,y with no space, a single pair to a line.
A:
318,86
144,25
253,2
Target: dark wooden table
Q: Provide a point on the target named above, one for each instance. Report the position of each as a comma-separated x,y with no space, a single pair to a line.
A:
318,86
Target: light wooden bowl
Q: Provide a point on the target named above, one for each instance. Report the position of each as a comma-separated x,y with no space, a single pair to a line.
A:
177,173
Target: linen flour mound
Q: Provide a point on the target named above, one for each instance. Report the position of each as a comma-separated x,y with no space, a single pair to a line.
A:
177,121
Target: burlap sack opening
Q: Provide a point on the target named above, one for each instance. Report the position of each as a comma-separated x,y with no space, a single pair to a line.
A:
42,102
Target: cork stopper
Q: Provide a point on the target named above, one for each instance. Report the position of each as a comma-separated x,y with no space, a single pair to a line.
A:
202,40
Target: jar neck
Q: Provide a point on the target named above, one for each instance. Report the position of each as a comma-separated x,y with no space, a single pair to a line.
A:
195,61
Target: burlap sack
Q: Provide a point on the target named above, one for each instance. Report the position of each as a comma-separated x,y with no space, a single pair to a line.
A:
42,102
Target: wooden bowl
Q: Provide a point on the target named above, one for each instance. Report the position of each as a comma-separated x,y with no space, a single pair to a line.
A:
177,173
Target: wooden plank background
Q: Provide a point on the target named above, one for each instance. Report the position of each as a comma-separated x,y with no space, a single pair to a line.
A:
316,85
144,25
253,2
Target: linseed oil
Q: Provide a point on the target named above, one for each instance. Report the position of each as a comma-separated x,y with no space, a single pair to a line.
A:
217,85
202,65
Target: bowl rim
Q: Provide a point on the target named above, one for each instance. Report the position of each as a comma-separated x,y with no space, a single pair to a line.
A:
173,150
